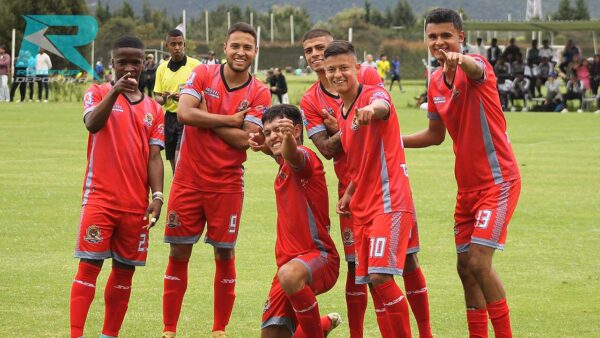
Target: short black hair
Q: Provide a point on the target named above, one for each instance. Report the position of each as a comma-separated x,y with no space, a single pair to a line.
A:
242,27
174,33
316,33
444,15
128,41
287,111
339,47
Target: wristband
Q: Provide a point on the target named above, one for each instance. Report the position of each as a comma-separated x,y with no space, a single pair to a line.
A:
158,195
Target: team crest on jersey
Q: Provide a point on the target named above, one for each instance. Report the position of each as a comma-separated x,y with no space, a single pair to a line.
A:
172,219
88,99
260,108
161,128
348,237
243,105
354,125
148,118
211,92
455,93
93,234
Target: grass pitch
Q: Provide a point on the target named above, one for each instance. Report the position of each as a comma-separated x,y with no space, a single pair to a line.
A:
551,267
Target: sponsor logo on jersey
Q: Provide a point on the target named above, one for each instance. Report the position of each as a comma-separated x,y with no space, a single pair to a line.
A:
243,105
439,99
117,107
148,118
348,237
211,92
172,219
93,234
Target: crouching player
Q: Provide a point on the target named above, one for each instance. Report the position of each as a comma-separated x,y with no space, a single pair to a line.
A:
123,162
379,195
305,253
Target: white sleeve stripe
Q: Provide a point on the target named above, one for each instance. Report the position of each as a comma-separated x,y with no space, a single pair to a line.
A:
253,119
433,116
192,92
88,110
316,129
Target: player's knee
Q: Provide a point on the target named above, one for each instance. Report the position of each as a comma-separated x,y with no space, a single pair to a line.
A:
292,277
122,266
94,262
462,266
411,263
478,265
224,254
181,252
377,279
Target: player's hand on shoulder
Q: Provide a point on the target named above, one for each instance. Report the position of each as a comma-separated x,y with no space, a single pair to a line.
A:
364,115
126,84
330,122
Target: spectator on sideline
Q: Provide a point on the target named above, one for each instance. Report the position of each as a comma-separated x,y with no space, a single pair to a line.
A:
148,75
575,91
210,59
519,91
278,86
546,51
533,54
370,62
493,53
480,48
541,73
502,69
595,75
4,74
583,74
511,51
383,66
19,76
396,73
554,99
466,48
99,69
42,65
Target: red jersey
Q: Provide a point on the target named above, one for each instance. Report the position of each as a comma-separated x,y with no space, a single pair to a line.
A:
206,162
117,155
317,98
302,210
376,162
472,113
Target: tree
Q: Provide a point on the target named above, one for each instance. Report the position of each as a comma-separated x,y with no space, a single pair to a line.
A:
564,12
368,11
125,11
403,15
147,11
102,13
581,11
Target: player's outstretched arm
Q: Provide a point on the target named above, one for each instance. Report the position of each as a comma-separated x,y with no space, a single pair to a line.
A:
96,119
434,134
191,111
377,110
289,147
155,180
473,69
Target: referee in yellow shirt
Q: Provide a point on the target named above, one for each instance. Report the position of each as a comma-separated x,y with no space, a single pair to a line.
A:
171,76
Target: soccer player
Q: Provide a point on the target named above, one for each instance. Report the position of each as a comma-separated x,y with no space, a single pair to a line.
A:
307,261
320,105
219,106
123,161
463,99
170,79
378,195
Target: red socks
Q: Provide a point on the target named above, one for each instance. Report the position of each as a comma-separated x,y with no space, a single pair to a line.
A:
477,321
416,292
175,284
382,320
356,302
116,298
396,307
499,315
82,295
306,308
224,296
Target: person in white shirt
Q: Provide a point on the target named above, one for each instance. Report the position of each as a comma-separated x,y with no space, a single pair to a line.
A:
42,67
479,48
370,62
546,51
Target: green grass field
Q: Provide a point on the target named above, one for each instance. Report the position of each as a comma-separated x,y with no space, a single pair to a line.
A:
551,267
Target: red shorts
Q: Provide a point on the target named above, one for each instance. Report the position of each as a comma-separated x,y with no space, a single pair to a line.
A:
324,272
105,233
190,210
482,216
381,246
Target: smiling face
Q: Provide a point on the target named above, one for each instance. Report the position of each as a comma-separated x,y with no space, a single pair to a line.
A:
341,71
443,36
240,50
314,50
128,60
274,136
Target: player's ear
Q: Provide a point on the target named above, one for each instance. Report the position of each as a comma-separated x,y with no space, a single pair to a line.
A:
297,130
358,65
461,37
